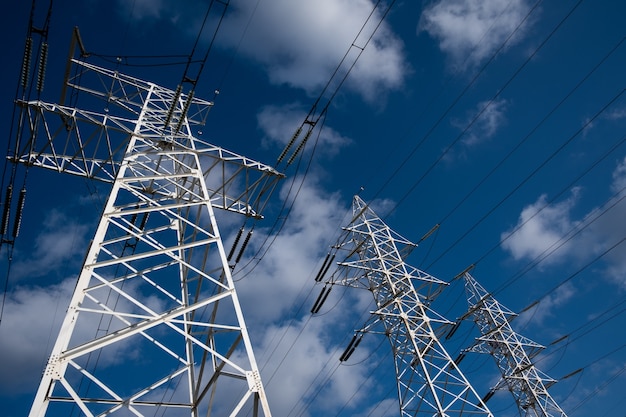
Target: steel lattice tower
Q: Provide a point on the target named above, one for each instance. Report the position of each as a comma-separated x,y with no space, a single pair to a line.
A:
512,352
372,257
154,326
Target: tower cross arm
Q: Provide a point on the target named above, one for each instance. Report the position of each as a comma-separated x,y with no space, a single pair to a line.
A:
91,144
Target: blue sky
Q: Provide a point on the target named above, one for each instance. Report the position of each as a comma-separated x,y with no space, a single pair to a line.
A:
501,120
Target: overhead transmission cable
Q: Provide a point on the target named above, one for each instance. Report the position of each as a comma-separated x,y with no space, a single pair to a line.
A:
529,176
457,75
447,111
565,239
320,117
25,85
614,200
298,131
529,134
313,118
486,106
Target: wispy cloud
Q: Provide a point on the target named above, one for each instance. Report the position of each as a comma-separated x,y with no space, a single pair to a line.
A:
483,122
279,123
545,308
62,241
470,31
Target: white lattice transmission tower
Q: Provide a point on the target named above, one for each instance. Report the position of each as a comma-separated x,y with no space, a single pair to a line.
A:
154,326
372,257
512,352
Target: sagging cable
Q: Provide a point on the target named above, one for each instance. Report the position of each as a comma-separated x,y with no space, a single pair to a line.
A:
320,299
356,340
327,263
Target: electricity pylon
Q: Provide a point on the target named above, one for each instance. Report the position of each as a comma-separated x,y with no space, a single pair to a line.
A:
154,326
372,257
512,352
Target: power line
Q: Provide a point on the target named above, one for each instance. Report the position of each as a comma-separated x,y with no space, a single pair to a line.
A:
530,175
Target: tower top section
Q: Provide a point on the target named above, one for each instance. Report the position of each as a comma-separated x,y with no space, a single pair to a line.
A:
64,138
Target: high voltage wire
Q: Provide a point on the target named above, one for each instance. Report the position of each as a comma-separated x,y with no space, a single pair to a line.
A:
396,206
529,176
527,136
486,106
559,25
312,120
447,111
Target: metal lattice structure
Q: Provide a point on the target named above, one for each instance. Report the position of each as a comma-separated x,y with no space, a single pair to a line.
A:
372,257
512,352
154,326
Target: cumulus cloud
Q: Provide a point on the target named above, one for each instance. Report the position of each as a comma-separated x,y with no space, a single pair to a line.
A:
470,31
301,43
550,232
293,255
298,43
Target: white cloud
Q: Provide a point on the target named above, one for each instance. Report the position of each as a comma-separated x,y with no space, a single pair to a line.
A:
483,122
31,321
617,114
540,227
550,229
60,243
300,43
476,27
294,254
304,368
279,123
545,308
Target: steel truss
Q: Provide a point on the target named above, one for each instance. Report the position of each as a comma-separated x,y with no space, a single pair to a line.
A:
512,352
154,325
372,257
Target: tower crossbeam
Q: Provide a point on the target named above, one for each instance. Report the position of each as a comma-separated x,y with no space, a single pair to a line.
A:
91,144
